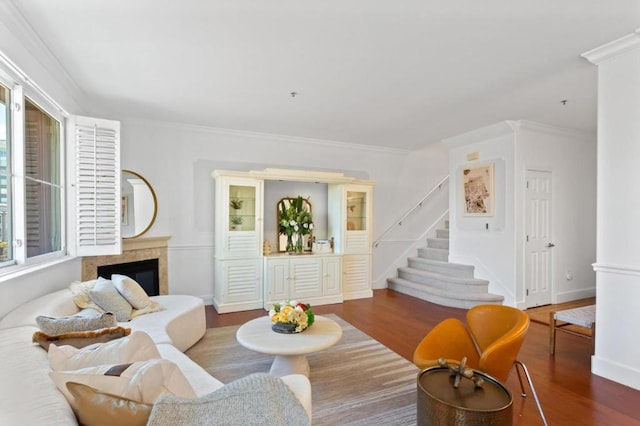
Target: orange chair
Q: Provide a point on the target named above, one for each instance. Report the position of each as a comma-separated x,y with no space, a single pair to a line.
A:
491,343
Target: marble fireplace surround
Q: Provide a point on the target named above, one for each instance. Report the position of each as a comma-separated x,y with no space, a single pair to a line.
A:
133,250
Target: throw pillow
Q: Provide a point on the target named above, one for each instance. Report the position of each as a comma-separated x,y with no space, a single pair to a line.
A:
80,339
95,408
105,295
131,290
136,347
142,381
80,294
263,398
61,325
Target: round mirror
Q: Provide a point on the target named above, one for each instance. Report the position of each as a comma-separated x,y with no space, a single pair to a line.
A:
139,205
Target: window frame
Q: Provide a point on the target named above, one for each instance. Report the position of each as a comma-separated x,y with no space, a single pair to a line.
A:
22,88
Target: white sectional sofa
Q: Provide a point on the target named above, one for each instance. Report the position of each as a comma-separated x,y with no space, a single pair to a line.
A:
28,396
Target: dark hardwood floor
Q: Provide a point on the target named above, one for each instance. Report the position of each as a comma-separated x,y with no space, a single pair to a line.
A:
569,393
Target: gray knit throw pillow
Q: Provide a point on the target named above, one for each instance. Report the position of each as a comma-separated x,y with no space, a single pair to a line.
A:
60,325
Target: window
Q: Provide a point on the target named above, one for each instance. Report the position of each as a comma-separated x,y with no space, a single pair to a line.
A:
31,175
5,187
47,211
42,181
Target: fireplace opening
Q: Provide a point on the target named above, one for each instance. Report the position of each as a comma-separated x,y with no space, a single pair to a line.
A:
144,272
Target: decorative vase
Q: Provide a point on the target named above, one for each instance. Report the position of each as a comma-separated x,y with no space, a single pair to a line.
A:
290,247
299,243
284,328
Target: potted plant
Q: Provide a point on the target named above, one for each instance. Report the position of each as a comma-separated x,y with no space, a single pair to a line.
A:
236,221
236,203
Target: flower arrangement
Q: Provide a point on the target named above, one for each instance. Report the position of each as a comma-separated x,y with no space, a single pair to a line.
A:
295,219
291,316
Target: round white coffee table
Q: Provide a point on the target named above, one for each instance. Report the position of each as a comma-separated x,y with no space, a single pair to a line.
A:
290,350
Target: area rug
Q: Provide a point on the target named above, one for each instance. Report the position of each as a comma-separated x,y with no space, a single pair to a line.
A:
358,381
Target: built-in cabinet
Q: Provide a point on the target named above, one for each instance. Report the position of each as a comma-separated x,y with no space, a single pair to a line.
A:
350,214
313,279
245,279
238,244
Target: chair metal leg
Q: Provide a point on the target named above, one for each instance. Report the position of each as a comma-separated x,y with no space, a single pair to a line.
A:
533,389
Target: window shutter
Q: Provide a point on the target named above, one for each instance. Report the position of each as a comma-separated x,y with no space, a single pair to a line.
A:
96,148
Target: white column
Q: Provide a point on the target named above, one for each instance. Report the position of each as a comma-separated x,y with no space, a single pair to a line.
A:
617,351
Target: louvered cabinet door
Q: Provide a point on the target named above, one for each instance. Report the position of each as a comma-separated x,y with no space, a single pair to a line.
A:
238,285
356,276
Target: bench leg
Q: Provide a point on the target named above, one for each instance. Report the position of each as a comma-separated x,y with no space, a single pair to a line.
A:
552,333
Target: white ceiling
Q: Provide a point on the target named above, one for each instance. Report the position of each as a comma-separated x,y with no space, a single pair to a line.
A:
399,74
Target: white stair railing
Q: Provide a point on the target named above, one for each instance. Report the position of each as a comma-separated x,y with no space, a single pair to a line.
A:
408,213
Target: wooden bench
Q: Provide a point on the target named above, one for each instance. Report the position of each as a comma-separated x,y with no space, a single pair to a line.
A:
584,317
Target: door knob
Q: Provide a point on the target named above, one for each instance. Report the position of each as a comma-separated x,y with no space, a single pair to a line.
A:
550,245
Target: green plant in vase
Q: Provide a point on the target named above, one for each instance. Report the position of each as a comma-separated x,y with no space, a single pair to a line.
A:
236,221
236,203
295,220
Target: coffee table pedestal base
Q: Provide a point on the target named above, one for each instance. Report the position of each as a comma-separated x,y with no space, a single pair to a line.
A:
289,364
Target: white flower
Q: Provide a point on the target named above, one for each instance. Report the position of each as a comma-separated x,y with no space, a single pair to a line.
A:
295,228
306,225
292,222
293,303
311,226
272,312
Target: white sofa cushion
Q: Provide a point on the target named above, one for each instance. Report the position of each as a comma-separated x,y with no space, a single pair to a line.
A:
138,346
56,304
181,324
142,381
27,395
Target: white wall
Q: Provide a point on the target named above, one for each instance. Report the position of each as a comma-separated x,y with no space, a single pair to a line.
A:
617,352
571,159
178,160
495,245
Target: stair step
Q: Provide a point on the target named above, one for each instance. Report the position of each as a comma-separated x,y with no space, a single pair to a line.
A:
441,296
442,233
441,243
442,267
433,279
433,253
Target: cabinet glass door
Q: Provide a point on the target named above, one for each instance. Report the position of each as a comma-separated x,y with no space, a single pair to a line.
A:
242,208
356,211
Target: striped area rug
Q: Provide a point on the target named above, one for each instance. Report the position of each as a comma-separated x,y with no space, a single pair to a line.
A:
358,381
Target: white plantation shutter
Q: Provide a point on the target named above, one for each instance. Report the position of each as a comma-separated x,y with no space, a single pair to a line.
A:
96,145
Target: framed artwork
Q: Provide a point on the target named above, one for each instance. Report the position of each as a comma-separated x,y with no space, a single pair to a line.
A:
478,185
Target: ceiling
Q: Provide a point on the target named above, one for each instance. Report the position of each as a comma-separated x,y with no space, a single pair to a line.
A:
398,74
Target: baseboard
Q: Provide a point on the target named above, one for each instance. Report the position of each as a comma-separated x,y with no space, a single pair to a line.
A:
616,372
570,296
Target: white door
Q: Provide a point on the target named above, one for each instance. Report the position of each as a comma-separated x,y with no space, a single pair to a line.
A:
538,244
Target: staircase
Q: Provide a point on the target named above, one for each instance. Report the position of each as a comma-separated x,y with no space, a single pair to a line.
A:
431,277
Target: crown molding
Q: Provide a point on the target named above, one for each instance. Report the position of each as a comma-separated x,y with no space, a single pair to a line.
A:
553,130
499,129
614,48
266,136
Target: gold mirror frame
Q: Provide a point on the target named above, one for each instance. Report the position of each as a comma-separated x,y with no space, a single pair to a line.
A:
125,204
282,239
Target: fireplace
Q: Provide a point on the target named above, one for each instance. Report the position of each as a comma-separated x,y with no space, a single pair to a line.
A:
134,250
144,272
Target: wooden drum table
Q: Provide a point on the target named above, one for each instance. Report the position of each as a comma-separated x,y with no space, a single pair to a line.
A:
439,403
290,350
